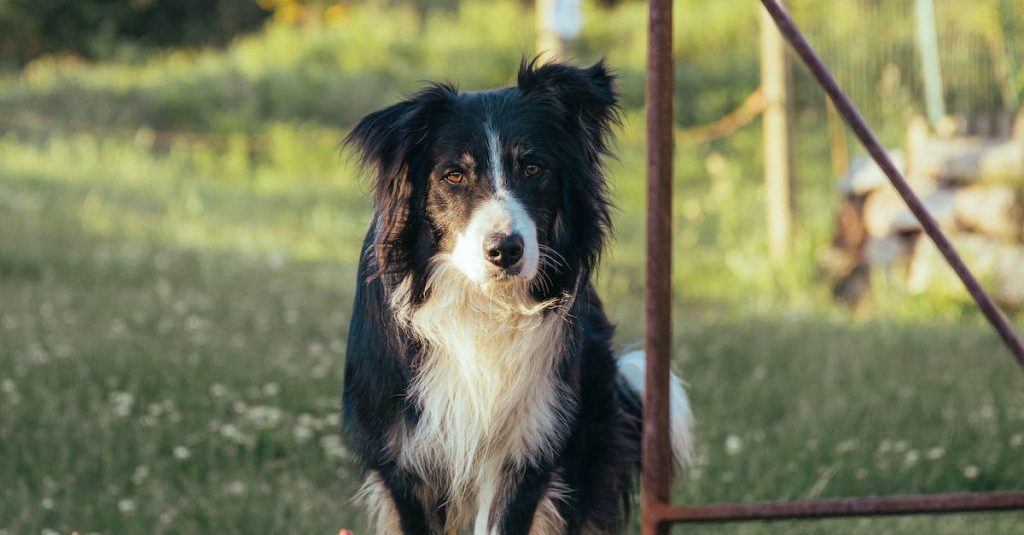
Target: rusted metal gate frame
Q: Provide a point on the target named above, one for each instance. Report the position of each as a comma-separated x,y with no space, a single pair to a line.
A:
658,513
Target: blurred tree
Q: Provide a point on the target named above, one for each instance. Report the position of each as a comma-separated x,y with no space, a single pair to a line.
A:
97,28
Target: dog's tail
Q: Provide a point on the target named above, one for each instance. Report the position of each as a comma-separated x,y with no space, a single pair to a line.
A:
631,385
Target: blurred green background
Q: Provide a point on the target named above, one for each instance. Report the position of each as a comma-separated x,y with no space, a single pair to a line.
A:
179,231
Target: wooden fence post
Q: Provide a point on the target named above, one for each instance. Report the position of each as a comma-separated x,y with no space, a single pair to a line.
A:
928,45
778,148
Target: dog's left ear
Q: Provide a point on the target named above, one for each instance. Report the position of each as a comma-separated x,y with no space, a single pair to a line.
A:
586,95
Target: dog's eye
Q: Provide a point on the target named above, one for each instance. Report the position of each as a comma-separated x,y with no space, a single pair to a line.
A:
455,177
532,170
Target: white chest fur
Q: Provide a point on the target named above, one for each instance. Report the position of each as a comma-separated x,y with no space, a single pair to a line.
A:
486,387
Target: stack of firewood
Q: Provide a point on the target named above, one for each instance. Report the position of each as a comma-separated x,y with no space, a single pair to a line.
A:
971,180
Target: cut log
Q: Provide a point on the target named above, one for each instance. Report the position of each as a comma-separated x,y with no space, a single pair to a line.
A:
998,265
940,205
968,160
889,250
992,211
881,210
865,176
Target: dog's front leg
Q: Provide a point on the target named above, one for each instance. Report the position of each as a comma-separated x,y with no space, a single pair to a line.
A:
394,508
531,507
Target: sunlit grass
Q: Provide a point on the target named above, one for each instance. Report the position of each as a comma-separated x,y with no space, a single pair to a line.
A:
178,240
172,340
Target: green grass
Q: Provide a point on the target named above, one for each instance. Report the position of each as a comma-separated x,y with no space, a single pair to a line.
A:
173,310
154,301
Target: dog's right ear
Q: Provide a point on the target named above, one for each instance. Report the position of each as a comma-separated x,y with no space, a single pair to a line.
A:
393,142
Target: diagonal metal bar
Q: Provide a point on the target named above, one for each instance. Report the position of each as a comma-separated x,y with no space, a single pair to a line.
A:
867,137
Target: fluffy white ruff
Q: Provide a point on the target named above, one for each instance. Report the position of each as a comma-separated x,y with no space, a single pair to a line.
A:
485,387
632,367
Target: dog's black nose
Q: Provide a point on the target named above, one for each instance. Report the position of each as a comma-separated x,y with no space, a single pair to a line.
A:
503,250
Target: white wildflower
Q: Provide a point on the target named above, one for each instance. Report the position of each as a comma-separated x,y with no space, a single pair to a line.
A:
117,328
10,390
971,471
235,488
140,474
121,403
302,433
333,447
232,433
181,453
733,445
936,453
846,446
264,416
195,323
126,506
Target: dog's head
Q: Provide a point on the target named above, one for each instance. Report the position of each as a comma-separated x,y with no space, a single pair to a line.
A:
504,185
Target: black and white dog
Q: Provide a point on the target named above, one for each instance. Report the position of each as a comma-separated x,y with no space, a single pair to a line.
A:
481,390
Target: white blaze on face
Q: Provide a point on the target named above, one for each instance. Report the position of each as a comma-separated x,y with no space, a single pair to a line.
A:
501,214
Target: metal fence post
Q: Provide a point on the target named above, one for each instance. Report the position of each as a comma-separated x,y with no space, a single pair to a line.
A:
658,286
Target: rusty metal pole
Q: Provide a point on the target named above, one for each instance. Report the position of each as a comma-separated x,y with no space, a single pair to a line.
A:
658,287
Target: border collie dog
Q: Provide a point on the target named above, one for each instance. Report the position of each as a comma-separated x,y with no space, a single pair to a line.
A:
481,393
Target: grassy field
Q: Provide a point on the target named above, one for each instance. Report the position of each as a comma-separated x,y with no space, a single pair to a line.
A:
171,340
173,310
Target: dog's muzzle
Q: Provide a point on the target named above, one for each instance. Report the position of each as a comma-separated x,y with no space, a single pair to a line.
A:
499,242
